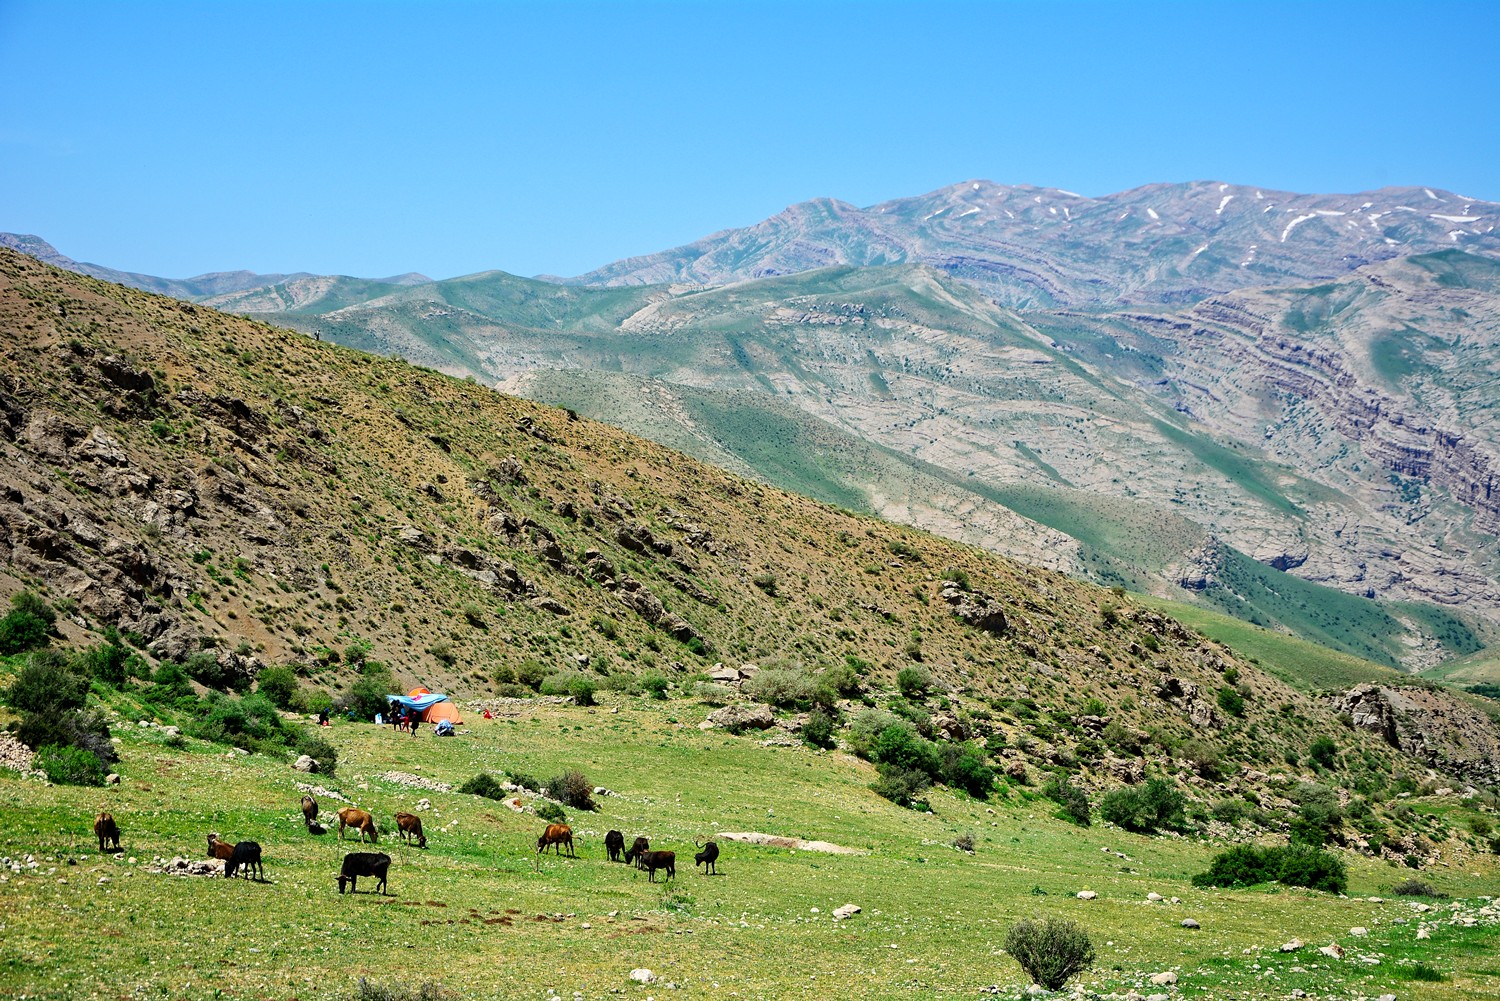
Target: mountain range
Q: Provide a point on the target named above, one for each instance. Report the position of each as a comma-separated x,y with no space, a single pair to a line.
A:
1276,405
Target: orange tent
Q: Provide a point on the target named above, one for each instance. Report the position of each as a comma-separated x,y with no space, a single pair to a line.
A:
429,707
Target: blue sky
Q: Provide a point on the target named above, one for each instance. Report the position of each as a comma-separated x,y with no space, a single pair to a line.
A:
448,138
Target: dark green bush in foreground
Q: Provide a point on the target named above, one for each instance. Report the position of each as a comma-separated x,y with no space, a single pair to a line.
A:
1291,865
71,766
484,784
1072,800
572,789
1050,950
1145,809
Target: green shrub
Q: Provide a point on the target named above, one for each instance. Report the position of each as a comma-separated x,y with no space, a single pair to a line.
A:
571,788
390,992
900,746
1291,865
108,661
866,725
278,683
531,673
524,780
251,722
1323,752
818,730
1050,950
1072,800
963,768
560,683
1415,888
654,684
28,625
1202,756
1122,738
1231,701
1319,815
785,687
1146,809
84,729
1418,971
1237,812
47,684
312,744
902,786
484,784
549,811
582,691
914,682
72,766
367,694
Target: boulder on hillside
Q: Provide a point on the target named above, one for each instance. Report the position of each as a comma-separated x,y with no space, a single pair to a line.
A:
740,717
975,608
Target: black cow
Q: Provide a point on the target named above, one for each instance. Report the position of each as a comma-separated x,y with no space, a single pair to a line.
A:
357,864
614,844
636,850
652,861
707,857
246,855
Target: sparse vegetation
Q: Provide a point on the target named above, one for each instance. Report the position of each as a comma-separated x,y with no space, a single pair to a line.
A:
1051,950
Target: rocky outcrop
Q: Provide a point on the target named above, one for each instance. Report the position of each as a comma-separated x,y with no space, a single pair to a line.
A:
975,608
740,717
1430,724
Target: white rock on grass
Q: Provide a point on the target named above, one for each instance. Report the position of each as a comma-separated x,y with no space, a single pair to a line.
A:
1359,931
1166,979
1190,923
1291,946
847,911
1155,897
641,975
1087,894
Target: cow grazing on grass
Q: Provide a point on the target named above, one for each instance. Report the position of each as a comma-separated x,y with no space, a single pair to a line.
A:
706,857
310,811
556,835
614,844
636,850
360,821
221,850
652,861
246,855
105,829
409,825
356,864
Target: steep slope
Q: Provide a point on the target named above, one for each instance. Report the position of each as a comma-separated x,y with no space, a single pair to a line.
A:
205,482
1037,247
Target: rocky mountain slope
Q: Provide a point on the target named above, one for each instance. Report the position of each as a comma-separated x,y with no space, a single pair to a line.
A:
1034,247
206,482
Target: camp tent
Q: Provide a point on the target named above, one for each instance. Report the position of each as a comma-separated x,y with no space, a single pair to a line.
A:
428,706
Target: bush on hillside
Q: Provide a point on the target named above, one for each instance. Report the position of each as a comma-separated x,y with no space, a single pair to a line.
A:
789,688
914,682
47,684
312,744
367,695
1323,752
1072,800
571,788
1050,950
108,660
1415,888
279,684
28,625
865,727
900,746
72,766
81,728
549,811
1146,809
1291,865
484,784
818,730
654,684
1319,815
582,691
902,786
963,768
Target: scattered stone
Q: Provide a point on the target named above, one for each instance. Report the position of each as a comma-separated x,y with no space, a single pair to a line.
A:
112,779
1190,923
1086,894
305,764
735,718
1359,931
1166,979
847,911
641,975
415,781
1333,950
1291,946
1424,933
1154,897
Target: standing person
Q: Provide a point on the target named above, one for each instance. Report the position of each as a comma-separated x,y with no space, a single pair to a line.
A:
414,725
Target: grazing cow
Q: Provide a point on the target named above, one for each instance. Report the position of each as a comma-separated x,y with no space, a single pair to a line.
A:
652,861
556,835
707,857
105,829
310,811
636,850
357,864
409,825
614,844
360,821
246,855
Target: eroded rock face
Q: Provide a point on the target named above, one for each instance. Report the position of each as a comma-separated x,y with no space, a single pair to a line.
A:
975,608
1429,724
740,717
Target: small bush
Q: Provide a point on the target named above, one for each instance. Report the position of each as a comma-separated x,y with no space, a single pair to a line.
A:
28,625
47,684
1155,806
1050,950
1122,738
783,687
712,693
107,661
914,682
1202,757
1237,812
963,768
1415,888
818,730
389,992
1231,701
549,811
484,784
71,766
571,788
367,695
964,843
900,746
902,786
84,729
1323,752
1291,865
312,744
1418,971
524,780
279,684
654,684
1072,800
766,582
582,691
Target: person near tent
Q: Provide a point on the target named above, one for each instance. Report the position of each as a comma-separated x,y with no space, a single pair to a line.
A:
323,716
413,724
488,714
444,728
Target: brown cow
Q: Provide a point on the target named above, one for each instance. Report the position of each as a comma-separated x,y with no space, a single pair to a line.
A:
410,825
635,851
556,835
310,811
221,850
105,829
360,821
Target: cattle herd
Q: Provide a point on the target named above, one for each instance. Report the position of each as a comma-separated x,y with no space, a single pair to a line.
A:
245,856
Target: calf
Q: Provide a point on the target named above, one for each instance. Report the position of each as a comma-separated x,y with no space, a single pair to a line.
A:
357,864
246,855
409,825
360,821
221,850
556,835
310,811
636,850
708,855
652,861
614,844
105,829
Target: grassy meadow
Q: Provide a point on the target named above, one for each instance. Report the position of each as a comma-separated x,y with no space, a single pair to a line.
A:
480,914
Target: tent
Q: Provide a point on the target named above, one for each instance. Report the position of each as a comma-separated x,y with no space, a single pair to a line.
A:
428,706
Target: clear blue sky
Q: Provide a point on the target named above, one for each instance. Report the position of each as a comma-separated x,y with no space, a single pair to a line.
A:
447,138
